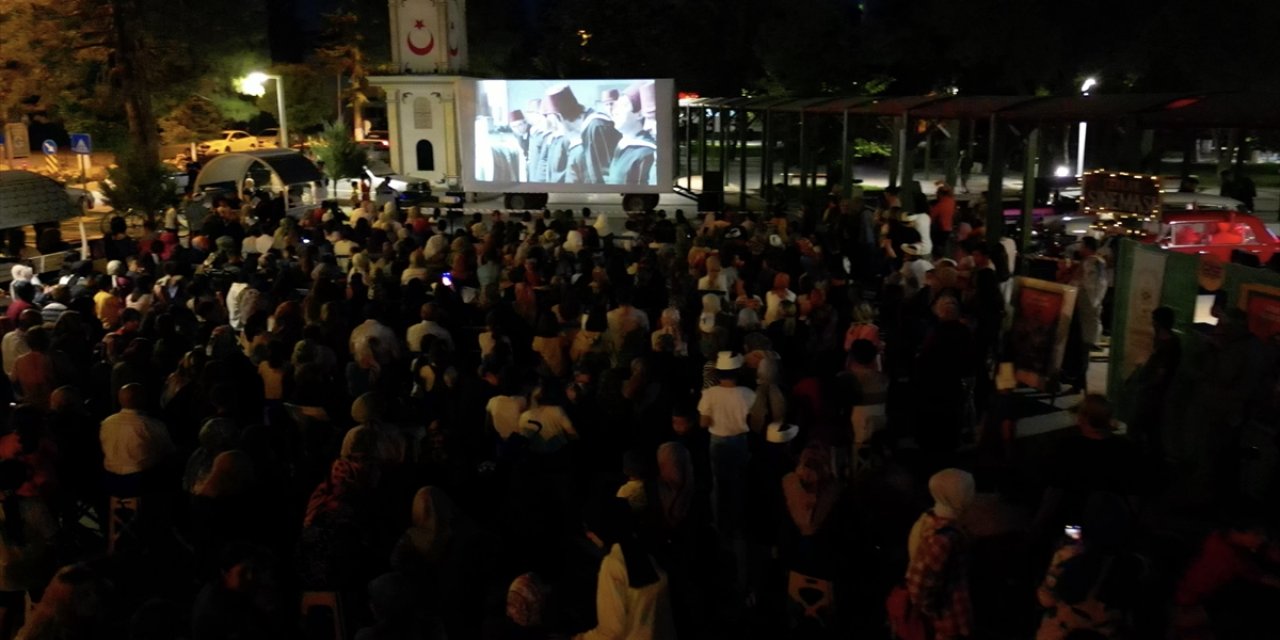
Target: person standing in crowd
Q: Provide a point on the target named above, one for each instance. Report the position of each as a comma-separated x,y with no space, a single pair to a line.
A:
316,373
1157,379
937,571
723,411
132,442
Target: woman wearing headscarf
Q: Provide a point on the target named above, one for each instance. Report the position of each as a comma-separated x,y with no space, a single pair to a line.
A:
424,543
773,299
216,436
223,508
937,575
632,601
810,493
373,439
669,338
444,549
337,548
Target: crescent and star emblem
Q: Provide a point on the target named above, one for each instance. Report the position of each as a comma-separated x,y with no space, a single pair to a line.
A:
419,25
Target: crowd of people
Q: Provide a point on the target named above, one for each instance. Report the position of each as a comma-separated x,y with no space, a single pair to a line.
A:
423,424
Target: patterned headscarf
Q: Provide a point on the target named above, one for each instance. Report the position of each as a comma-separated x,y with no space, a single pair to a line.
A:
345,477
525,600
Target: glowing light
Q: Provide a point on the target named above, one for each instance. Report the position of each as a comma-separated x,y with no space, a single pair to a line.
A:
1088,84
1062,171
254,84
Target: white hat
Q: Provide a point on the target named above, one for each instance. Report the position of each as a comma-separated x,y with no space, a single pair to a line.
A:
912,248
707,322
775,240
779,433
573,241
728,361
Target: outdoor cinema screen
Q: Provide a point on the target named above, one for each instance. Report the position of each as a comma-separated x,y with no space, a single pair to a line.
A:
585,136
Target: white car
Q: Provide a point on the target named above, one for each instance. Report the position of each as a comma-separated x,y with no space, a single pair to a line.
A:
231,141
1180,201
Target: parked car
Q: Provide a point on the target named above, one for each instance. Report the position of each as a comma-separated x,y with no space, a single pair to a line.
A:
269,138
231,141
83,199
407,191
1216,233
379,136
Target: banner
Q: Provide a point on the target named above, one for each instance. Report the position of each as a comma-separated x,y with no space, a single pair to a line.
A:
1042,313
1147,281
1147,277
1120,193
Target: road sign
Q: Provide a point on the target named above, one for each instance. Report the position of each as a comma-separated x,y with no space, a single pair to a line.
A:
52,163
16,140
49,147
81,143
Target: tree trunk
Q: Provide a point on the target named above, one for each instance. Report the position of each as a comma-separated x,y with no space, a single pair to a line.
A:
132,79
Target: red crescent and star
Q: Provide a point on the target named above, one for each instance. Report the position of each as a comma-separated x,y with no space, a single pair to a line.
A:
419,25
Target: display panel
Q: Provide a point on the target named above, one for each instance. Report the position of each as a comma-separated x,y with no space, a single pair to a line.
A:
585,136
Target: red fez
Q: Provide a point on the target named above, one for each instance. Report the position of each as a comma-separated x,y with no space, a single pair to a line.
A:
515,115
632,94
560,100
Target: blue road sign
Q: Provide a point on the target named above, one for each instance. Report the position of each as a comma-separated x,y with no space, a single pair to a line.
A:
49,147
81,143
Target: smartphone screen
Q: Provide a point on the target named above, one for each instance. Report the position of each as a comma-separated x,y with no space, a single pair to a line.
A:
1072,531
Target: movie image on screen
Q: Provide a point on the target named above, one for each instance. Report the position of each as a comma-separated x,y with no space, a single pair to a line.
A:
575,132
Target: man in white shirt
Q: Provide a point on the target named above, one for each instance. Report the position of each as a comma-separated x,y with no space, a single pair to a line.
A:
415,333
723,410
133,443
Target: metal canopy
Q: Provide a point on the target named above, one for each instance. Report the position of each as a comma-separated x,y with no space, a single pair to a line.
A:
27,197
798,106
894,106
1087,108
288,166
1230,110
969,107
839,105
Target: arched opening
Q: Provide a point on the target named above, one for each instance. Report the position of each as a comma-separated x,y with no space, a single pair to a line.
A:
426,156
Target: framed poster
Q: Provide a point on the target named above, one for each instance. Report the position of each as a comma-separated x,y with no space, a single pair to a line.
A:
1042,313
1261,305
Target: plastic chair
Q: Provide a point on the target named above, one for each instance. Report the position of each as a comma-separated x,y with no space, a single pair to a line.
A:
322,616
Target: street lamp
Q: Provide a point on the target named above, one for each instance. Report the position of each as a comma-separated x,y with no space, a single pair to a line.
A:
254,84
1086,86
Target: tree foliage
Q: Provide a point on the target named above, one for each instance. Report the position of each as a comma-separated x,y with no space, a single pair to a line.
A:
342,157
139,183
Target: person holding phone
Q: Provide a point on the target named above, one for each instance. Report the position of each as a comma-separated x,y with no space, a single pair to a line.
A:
1093,579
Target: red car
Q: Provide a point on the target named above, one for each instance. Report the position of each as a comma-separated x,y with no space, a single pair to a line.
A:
1216,233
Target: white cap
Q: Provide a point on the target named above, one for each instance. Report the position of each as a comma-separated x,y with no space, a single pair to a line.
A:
779,433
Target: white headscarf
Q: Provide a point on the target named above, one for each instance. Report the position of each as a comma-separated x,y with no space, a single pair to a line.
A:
952,491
